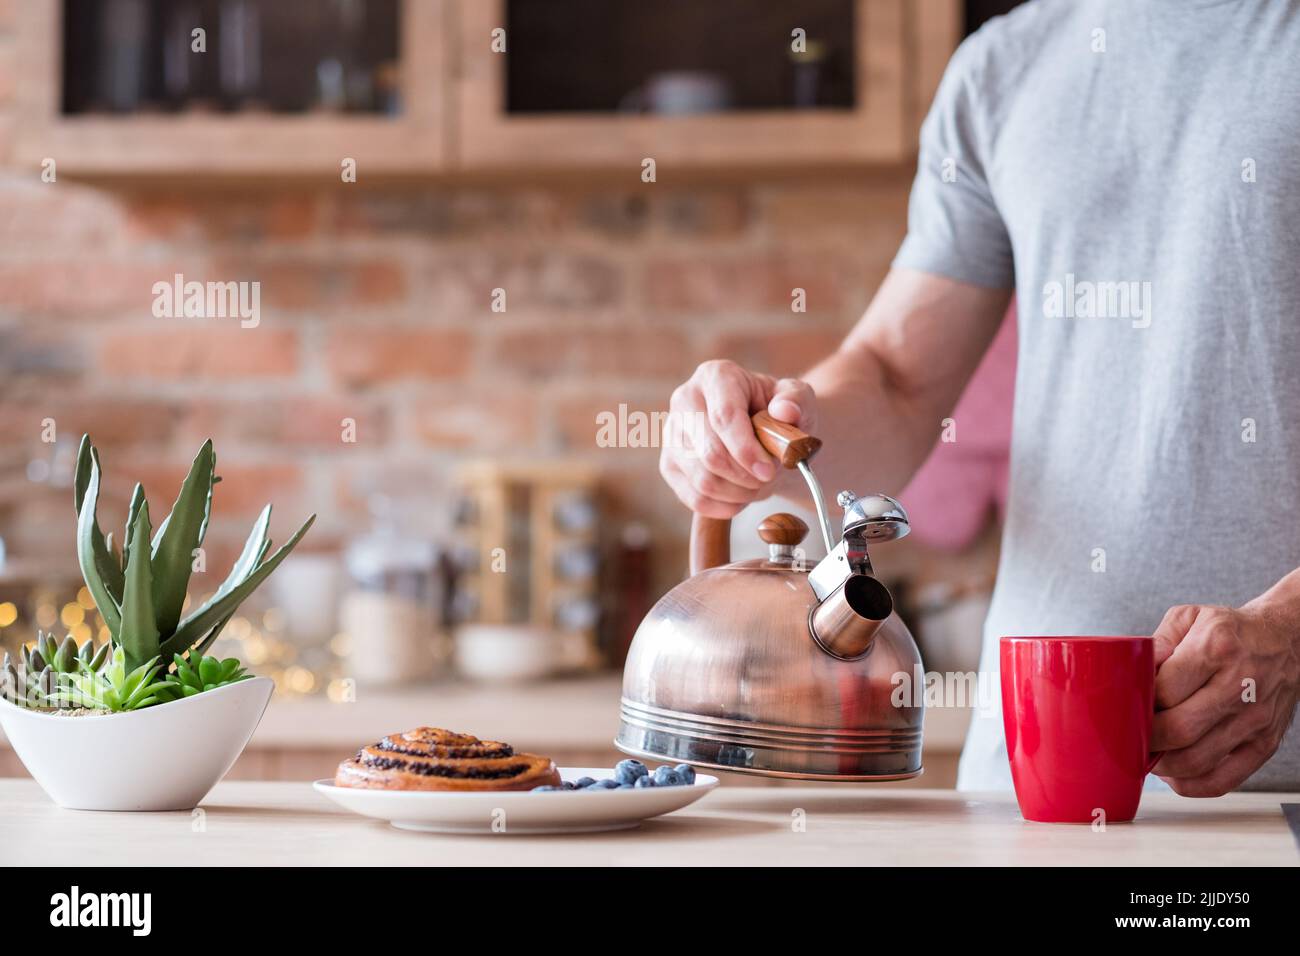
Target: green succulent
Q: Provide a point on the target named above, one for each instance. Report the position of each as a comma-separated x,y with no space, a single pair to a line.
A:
45,666
114,687
141,592
206,673
65,675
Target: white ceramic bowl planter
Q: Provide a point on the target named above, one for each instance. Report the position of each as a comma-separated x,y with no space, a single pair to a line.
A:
165,757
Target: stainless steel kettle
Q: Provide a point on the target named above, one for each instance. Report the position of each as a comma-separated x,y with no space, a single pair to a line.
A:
775,668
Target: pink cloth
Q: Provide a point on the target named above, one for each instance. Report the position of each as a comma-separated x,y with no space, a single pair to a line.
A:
964,482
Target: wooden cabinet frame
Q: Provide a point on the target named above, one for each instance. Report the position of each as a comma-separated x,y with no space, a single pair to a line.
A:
453,118
892,77
414,141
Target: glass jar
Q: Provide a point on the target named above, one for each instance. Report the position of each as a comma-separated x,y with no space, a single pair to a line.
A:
391,609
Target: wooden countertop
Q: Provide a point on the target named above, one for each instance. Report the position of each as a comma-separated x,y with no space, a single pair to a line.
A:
290,824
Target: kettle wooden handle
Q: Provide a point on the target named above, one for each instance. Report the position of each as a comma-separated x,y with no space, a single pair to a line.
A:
710,543
711,537
784,442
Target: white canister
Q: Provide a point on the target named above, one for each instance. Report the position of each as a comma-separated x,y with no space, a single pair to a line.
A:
390,613
390,639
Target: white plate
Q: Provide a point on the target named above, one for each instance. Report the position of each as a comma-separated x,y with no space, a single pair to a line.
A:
519,811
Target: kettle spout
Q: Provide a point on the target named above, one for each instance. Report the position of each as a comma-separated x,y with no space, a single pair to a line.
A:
846,621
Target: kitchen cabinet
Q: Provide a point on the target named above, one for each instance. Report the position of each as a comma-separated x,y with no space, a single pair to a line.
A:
897,50
452,112
217,140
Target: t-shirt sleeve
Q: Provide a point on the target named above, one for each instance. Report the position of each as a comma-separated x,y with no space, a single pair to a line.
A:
954,228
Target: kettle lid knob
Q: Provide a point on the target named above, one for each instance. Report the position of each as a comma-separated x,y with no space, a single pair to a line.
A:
783,529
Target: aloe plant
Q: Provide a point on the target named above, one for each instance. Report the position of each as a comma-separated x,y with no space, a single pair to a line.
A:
141,592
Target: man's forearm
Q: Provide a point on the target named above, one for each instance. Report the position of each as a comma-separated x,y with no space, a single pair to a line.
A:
875,435
882,396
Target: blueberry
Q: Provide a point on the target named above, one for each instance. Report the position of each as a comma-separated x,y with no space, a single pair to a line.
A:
606,784
582,783
629,771
643,782
544,789
686,772
569,785
666,776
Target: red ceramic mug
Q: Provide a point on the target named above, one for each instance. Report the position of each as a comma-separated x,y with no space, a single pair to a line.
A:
1077,713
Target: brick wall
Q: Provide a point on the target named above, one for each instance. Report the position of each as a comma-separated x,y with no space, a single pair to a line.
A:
376,306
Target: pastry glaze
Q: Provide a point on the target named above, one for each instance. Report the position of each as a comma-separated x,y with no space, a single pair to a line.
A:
429,758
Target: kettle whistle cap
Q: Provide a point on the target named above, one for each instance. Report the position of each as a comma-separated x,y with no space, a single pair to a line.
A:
878,517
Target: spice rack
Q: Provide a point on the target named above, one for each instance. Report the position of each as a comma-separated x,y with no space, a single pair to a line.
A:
529,552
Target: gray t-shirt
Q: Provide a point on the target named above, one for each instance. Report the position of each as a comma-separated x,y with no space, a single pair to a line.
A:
1130,168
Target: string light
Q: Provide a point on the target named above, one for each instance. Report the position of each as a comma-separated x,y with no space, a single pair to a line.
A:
72,615
47,615
255,650
299,679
